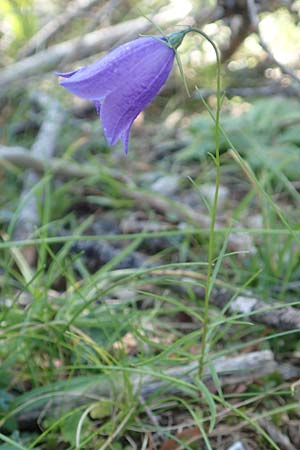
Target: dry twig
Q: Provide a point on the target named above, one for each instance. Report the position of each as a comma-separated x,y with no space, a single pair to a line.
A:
243,368
276,435
44,34
273,314
43,148
19,157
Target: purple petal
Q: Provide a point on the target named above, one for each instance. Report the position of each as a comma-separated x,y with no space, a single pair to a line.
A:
135,92
103,76
66,74
97,106
125,138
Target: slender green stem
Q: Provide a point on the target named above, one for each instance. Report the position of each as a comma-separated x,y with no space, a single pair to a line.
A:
211,247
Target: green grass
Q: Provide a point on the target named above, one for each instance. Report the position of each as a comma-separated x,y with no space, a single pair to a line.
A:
58,340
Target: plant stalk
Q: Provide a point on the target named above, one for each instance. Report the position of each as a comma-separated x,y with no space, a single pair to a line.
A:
211,247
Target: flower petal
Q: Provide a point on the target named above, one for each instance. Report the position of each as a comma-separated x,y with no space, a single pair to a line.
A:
125,138
97,106
103,76
66,74
136,91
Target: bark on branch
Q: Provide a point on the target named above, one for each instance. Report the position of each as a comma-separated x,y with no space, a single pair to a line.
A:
243,368
44,34
43,148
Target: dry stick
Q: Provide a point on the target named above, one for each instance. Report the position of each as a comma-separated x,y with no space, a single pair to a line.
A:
40,39
276,435
253,15
92,43
244,368
272,314
22,158
43,148
103,12
168,206
19,157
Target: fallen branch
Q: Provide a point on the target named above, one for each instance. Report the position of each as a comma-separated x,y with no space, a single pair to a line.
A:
21,158
43,147
273,314
276,434
167,206
243,368
24,159
40,39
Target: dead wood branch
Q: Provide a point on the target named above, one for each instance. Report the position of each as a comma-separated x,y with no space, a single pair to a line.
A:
43,148
21,158
40,39
243,368
24,159
278,437
273,314
168,206
143,199
104,12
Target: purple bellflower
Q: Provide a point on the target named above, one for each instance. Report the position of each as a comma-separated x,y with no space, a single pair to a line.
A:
125,81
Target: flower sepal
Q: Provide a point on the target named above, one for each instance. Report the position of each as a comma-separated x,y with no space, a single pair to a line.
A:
175,39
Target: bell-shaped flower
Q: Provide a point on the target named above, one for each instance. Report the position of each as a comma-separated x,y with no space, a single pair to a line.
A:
123,83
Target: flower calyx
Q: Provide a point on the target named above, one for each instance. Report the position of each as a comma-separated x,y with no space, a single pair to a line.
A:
175,39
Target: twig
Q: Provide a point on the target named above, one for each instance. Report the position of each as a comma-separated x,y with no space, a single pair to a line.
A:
22,158
19,157
276,435
73,10
243,368
167,206
273,314
103,12
43,147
